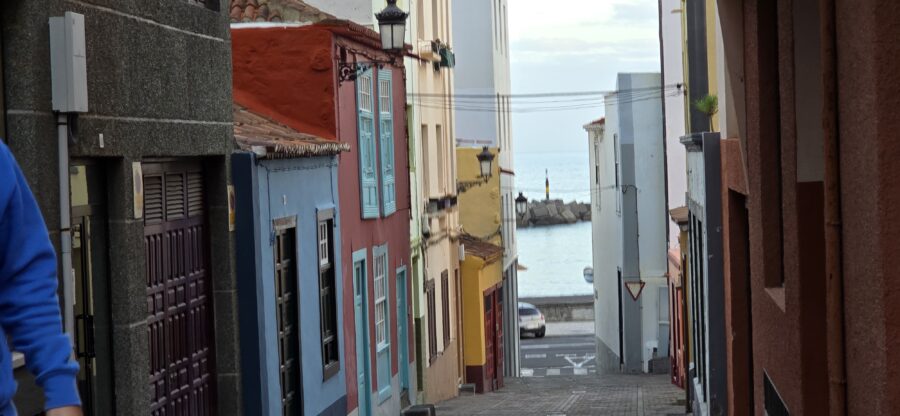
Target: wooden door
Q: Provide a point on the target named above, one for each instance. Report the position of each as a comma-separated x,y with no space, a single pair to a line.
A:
498,339
179,322
489,364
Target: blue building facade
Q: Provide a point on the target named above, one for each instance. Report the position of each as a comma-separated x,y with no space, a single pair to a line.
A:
289,280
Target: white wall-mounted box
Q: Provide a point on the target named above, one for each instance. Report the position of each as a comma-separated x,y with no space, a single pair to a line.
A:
68,63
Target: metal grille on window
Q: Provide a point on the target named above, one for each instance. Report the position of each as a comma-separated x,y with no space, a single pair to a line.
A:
380,301
327,299
365,93
323,244
384,96
287,319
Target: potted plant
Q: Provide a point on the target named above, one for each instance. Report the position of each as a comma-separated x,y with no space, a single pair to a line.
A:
709,105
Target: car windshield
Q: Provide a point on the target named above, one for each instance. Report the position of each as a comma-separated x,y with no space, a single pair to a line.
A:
528,312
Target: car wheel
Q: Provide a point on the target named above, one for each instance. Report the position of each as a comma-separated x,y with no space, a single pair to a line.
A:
540,332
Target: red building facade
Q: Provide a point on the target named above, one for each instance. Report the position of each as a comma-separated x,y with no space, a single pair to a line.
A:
321,79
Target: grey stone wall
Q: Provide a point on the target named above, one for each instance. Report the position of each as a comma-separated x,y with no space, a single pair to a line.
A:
159,86
553,212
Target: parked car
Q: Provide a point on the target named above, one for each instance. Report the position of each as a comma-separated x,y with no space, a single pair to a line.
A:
531,320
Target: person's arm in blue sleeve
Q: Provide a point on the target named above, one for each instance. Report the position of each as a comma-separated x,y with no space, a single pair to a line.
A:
29,306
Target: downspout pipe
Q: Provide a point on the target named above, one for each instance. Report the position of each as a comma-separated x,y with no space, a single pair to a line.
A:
834,283
65,226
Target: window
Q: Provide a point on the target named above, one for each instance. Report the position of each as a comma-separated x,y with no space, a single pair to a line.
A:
618,191
441,158
386,130
368,177
287,314
432,324
327,295
380,302
382,323
445,305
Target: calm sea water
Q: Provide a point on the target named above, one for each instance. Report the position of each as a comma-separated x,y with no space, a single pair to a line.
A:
555,256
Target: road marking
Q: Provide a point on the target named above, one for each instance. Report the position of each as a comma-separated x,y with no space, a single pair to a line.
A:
580,371
526,372
546,346
583,360
552,371
566,355
530,356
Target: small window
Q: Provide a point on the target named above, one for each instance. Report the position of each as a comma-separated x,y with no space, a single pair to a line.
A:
365,92
445,301
380,302
327,295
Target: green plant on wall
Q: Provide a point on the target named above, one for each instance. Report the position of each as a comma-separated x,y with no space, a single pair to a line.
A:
709,105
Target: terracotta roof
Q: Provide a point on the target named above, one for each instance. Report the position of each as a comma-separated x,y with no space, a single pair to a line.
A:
679,215
272,140
601,120
484,249
274,11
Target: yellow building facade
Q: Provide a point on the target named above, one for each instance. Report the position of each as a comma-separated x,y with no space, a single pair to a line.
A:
482,271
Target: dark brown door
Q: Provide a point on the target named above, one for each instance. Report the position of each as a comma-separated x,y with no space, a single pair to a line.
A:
498,339
179,322
489,365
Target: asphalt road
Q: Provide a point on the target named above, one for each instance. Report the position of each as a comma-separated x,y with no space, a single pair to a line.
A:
558,356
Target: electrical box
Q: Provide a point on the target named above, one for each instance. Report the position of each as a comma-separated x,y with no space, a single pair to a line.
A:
68,63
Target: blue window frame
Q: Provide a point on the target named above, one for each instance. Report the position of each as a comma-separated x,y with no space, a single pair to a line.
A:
386,133
368,173
382,321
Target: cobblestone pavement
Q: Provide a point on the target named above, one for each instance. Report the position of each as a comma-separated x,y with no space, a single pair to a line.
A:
573,395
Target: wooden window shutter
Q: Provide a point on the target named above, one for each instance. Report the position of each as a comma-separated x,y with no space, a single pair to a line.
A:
153,199
368,175
175,196
386,132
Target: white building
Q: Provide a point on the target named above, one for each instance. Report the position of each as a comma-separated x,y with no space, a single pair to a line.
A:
629,229
481,43
673,74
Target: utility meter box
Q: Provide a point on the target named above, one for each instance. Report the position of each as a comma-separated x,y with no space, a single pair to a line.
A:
68,63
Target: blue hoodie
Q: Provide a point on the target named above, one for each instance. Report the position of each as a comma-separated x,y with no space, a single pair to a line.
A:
29,307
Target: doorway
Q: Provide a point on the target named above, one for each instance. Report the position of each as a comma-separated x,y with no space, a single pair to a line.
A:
179,322
361,308
90,274
403,331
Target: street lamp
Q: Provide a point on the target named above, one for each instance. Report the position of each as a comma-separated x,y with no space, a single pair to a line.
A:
484,159
392,25
521,204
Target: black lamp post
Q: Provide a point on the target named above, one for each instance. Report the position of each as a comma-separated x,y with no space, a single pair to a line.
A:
521,204
484,159
392,25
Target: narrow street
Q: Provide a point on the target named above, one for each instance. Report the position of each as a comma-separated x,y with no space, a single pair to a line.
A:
592,394
559,378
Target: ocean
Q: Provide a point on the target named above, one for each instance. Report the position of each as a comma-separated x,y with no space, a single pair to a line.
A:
554,256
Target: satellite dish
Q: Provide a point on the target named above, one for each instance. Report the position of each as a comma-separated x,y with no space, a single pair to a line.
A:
589,274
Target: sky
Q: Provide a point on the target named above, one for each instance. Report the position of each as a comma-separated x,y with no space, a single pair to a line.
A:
575,45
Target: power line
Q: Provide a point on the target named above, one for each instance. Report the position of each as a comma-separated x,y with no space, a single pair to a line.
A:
549,94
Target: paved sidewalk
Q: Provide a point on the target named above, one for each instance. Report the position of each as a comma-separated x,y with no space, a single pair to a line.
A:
560,329
573,395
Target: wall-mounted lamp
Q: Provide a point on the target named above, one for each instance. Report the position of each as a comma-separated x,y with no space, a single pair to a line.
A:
485,161
521,204
392,27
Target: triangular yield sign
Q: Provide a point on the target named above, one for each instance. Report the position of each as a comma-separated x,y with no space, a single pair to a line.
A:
635,288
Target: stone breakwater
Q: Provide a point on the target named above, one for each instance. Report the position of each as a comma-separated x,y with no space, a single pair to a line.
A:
553,212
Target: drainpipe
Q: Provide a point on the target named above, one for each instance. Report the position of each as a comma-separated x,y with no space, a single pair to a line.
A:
834,285
65,225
